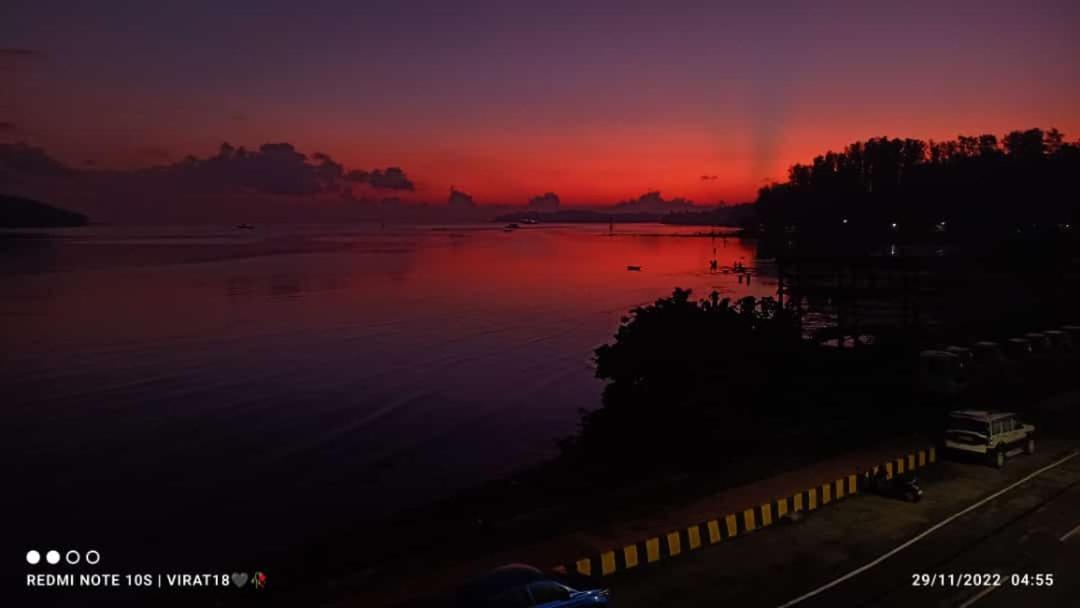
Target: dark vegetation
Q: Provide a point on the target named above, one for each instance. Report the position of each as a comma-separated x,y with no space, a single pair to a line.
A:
704,385
18,212
978,189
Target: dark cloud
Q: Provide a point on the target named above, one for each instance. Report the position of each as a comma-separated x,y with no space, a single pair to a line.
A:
275,168
653,202
328,171
393,178
708,178
549,201
271,169
459,199
30,160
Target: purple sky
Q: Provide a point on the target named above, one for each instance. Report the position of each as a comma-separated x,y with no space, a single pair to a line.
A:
596,101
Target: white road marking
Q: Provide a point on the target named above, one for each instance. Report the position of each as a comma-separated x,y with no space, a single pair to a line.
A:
978,596
925,533
1065,537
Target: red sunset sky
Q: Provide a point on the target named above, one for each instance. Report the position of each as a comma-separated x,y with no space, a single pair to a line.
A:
596,101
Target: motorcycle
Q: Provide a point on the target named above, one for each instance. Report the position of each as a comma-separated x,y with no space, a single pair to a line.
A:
903,487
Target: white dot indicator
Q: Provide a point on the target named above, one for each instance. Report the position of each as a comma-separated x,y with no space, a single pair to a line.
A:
32,557
53,557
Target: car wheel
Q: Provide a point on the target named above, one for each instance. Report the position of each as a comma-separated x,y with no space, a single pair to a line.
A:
910,497
999,459
1030,447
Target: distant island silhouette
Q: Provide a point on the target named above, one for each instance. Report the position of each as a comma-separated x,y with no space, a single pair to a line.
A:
19,212
730,215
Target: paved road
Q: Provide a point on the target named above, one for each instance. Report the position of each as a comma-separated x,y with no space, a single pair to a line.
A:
1049,543
1016,532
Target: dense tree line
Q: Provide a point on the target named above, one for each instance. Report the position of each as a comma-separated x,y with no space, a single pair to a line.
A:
972,186
706,384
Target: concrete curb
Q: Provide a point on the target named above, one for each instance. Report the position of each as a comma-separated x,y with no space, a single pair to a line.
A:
748,520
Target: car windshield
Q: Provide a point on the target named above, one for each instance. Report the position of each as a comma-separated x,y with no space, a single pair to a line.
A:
959,423
548,591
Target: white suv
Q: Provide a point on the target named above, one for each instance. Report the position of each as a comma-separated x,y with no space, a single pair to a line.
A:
996,435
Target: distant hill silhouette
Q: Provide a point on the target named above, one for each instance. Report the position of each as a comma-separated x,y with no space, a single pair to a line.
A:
579,216
547,202
728,215
734,215
653,202
19,212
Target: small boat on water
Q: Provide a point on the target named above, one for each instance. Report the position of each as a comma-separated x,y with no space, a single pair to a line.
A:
634,268
245,227
510,227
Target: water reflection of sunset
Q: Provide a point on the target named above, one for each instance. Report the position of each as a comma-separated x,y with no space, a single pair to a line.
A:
558,264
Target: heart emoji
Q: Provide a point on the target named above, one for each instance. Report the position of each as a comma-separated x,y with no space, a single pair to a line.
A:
239,579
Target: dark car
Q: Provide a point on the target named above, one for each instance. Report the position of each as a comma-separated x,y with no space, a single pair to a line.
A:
522,586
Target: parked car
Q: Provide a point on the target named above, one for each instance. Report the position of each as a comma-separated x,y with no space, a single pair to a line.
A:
1060,342
1018,349
1073,331
1040,344
523,586
989,358
941,372
967,360
992,435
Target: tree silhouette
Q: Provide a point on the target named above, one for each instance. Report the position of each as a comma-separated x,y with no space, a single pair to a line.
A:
882,189
680,371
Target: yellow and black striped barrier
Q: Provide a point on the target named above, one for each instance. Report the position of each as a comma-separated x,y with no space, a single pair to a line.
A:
729,526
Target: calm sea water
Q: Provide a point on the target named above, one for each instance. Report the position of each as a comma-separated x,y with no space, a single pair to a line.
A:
210,390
